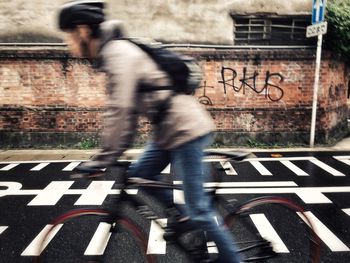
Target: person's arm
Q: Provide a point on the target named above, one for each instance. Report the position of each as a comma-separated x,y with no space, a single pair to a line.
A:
121,66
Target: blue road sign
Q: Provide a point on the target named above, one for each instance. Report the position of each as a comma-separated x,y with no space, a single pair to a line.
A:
318,10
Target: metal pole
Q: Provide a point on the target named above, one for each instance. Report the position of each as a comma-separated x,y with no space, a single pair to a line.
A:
316,85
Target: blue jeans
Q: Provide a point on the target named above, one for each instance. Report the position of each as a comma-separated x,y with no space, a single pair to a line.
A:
187,162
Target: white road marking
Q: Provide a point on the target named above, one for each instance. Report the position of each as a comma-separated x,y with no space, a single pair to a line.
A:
2,229
9,167
313,197
346,210
272,159
39,166
344,159
261,169
327,168
212,248
267,231
34,248
249,184
96,193
71,166
229,170
99,240
326,235
178,197
295,169
166,170
51,194
156,243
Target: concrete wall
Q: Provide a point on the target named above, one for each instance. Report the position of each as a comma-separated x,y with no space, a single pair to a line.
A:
178,21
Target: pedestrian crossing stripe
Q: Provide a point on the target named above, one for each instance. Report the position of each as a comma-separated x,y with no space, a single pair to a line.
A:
157,245
156,242
99,240
228,168
2,229
34,248
9,167
261,169
257,163
267,231
326,235
346,210
39,166
71,166
295,169
344,158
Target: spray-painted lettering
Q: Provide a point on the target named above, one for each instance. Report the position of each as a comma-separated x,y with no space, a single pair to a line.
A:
272,90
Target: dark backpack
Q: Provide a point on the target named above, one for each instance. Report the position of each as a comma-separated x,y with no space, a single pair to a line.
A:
185,73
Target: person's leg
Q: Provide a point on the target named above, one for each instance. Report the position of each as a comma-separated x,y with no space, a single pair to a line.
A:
188,162
149,166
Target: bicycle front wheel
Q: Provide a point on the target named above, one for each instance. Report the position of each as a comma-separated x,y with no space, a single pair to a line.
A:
89,235
276,223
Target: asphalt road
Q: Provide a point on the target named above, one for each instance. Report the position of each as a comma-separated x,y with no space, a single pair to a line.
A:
32,193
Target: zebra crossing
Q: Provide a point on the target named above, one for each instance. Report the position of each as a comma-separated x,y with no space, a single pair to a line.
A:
156,244
257,163
301,177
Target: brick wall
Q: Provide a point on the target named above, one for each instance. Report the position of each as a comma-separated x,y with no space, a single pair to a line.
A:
47,98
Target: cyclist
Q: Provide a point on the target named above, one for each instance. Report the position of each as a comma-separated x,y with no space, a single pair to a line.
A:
180,133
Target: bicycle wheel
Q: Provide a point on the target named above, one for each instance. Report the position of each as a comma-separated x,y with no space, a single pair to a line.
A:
88,235
274,222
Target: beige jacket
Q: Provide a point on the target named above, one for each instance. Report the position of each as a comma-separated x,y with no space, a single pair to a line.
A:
127,67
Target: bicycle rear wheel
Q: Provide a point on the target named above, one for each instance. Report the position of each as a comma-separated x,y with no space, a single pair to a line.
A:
89,235
284,224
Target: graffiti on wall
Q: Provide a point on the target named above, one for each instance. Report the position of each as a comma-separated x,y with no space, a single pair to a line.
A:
272,90
204,99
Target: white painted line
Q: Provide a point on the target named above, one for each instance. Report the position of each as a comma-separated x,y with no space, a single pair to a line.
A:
71,166
96,193
227,165
166,170
178,196
156,243
313,197
212,248
295,169
327,168
51,194
271,159
53,161
261,169
39,166
34,248
9,167
252,184
267,231
2,229
346,210
247,184
326,235
99,240
344,159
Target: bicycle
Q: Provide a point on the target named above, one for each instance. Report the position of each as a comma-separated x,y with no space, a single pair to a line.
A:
119,229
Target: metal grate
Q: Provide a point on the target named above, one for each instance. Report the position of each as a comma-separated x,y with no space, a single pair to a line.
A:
271,31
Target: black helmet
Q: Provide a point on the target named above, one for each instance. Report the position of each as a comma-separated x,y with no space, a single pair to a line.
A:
81,13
